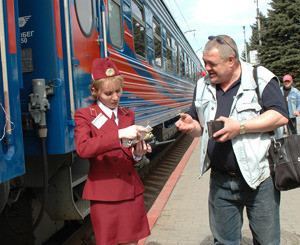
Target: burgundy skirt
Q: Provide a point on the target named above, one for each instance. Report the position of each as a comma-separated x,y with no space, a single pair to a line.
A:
119,222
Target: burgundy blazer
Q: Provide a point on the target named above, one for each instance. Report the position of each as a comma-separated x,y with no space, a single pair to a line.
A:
112,176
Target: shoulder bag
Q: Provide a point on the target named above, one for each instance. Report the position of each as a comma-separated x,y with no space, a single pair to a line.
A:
284,156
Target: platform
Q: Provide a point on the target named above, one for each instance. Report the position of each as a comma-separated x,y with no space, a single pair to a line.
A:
180,213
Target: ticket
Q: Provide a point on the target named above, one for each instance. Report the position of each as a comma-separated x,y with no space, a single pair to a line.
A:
128,142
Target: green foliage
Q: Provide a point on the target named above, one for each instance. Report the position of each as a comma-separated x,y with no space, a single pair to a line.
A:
280,36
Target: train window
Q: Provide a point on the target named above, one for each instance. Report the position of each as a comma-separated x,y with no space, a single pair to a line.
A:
188,67
115,23
193,72
85,16
157,43
176,56
139,31
182,63
169,54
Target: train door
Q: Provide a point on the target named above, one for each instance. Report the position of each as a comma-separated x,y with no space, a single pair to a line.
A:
12,162
86,44
59,41
81,23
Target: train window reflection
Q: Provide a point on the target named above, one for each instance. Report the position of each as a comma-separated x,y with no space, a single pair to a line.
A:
188,68
85,16
176,56
194,72
182,63
157,43
139,31
115,24
169,54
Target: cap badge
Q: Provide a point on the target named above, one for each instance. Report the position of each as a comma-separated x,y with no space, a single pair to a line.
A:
110,72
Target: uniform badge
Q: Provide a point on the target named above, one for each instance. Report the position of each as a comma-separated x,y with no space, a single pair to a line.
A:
124,110
110,72
99,121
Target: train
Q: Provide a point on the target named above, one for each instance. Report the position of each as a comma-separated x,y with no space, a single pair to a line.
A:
47,50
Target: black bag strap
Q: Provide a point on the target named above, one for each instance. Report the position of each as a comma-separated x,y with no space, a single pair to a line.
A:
257,87
255,76
292,127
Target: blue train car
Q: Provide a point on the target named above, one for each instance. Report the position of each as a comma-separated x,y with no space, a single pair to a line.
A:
55,44
159,65
12,163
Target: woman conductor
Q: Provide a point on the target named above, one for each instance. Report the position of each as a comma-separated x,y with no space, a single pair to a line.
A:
113,186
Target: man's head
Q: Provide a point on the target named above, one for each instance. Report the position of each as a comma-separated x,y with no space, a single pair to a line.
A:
288,81
221,59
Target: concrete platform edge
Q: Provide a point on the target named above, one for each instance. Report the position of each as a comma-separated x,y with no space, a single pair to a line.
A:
164,195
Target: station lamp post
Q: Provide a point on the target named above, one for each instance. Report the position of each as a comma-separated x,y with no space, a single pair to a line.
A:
258,23
245,43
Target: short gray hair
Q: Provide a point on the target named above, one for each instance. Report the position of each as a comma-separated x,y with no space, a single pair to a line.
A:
225,45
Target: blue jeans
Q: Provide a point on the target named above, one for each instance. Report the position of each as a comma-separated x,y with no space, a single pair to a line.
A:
227,198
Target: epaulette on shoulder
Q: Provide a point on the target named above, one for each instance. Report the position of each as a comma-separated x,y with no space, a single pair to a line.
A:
124,110
93,112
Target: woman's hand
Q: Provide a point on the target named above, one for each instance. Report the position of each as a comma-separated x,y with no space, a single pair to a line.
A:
141,148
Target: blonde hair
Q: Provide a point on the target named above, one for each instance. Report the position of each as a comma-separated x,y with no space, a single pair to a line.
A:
97,84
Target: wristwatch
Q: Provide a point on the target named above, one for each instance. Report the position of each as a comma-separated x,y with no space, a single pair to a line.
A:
242,127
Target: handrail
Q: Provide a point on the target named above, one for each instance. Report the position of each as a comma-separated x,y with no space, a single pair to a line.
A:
70,73
4,70
104,30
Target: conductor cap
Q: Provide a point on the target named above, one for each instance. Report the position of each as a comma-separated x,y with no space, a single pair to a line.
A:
104,68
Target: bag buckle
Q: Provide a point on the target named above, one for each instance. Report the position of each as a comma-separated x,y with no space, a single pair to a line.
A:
277,148
276,143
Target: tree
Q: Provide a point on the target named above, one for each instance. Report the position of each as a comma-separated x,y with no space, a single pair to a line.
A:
280,50
254,39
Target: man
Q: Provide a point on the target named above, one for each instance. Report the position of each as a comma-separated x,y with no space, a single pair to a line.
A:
292,98
240,174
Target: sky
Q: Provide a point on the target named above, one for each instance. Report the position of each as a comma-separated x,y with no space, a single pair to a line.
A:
216,17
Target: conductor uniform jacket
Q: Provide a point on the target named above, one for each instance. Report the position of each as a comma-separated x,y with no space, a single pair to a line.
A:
112,176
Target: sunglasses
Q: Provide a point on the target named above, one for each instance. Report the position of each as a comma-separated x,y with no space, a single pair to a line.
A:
222,41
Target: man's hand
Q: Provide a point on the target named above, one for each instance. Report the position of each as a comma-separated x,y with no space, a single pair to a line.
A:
185,124
231,129
296,113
